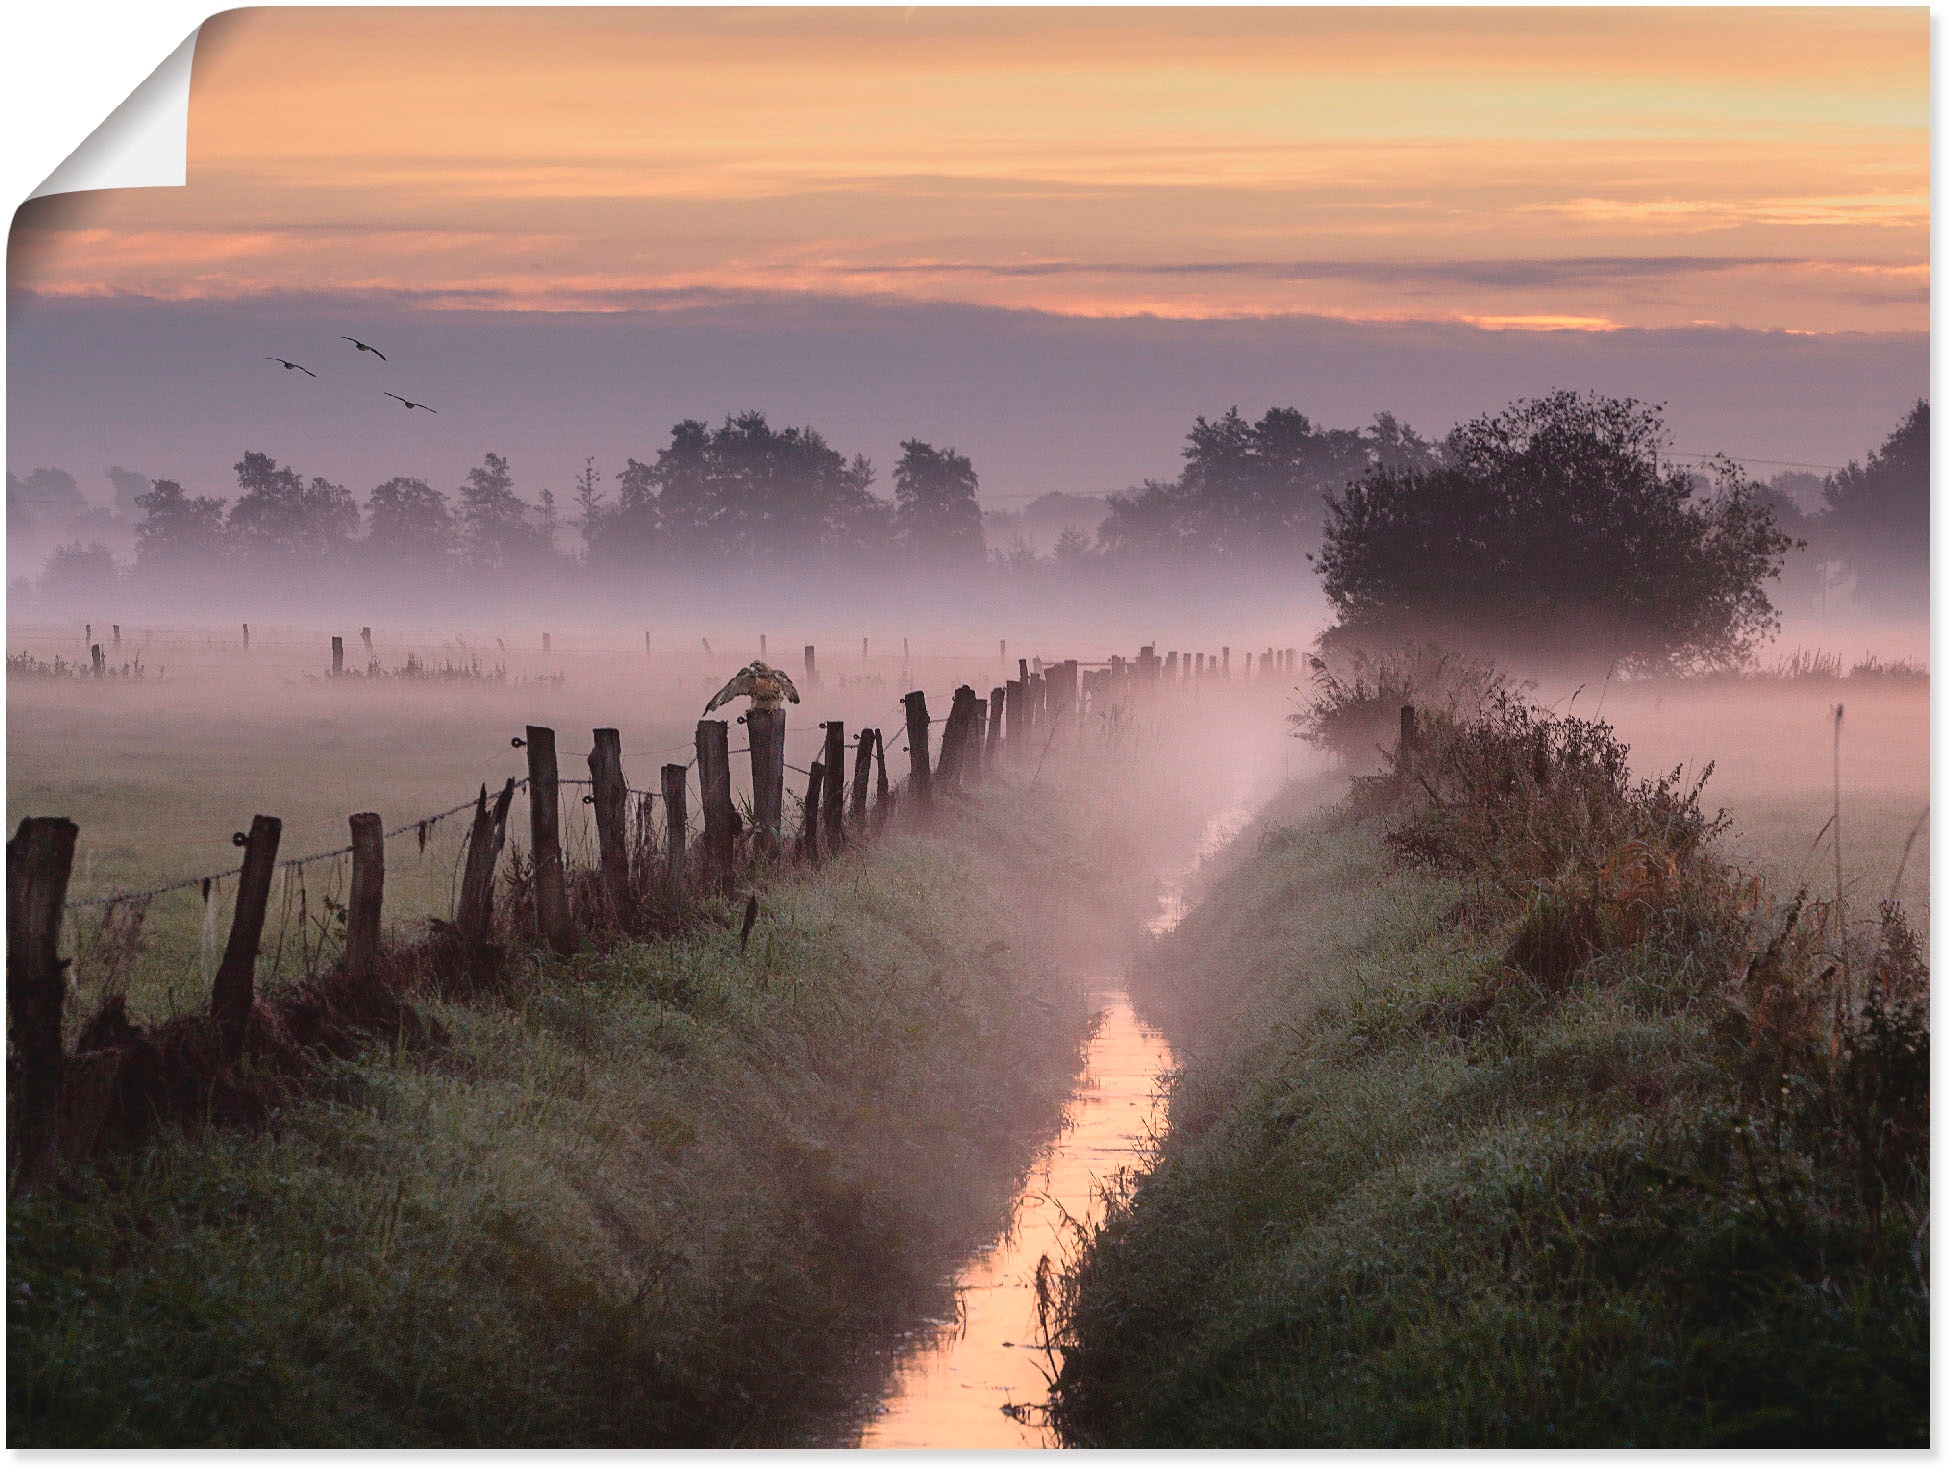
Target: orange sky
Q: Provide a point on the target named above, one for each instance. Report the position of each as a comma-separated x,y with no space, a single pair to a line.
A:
1763,168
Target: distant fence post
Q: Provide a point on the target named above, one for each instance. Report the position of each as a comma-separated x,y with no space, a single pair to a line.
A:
918,734
246,638
833,820
611,793
996,712
95,660
40,856
116,629
814,793
337,656
474,919
236,978
676,821
719,815
810,667
367,900
766,731
862,774
544,835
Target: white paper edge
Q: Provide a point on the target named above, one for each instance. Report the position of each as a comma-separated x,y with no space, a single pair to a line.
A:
143,144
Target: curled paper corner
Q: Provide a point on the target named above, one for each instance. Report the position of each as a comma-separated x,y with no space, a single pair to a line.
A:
143,144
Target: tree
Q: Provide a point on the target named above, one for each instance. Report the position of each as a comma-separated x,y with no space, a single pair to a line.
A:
1553,529
177,530
590,511
493,520
278,514
45,499
936,514
1876,519
77,573
1253,494
411,524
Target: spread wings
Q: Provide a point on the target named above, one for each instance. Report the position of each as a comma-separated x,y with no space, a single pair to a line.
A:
739,685
790,689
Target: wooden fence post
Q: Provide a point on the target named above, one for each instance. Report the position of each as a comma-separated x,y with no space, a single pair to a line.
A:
719,815
236,978
766,731
814,792
116,629
996,713
833,820
1406,751
367,900
976,739
676,819
246,638
881,789
39,857
474,918
547,643
810,667
365,637
544,836
648,645
862,774
918,734
96,661
953,742
1016,704
337,656
611,793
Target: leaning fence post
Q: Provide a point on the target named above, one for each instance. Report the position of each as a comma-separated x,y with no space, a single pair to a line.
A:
39,857
474,919
544,835
367,900
676,820
833,820
719,816
918,734
236,978
766,731
611,793
814,792
862,774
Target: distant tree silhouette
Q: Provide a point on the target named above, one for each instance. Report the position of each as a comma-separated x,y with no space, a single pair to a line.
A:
936,515
410,523
130,486
1253,494
46,499
493,520
279,514
1877,518
1554,529
76,573
591,504
177,530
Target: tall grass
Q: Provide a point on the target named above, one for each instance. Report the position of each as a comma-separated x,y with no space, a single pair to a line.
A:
1525,1119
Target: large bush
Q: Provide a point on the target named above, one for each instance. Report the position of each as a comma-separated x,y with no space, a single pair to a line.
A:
1553,529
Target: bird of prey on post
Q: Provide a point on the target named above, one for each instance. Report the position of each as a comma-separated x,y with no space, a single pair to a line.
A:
767,688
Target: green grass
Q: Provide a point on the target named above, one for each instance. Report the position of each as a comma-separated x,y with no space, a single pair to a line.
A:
1409,1196
666,1195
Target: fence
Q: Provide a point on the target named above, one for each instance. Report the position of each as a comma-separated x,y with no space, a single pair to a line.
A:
642,878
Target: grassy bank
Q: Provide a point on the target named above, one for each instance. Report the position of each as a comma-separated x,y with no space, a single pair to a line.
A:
670,1194
1511,1114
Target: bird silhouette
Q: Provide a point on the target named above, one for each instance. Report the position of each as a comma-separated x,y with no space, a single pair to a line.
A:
288,365
366,347
410,404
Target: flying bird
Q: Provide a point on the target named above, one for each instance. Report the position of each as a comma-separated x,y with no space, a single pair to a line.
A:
768,688
288,365
410,404
365,347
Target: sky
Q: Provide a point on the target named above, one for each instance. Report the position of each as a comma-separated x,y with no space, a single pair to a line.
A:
1351,210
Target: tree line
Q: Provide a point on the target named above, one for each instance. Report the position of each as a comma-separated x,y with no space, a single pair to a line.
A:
1560,517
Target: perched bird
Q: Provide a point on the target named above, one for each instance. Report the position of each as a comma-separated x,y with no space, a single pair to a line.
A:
410,404
288,364
365,347
768,688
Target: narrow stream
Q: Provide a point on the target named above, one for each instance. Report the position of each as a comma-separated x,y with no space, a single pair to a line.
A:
956,1389
975,1383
